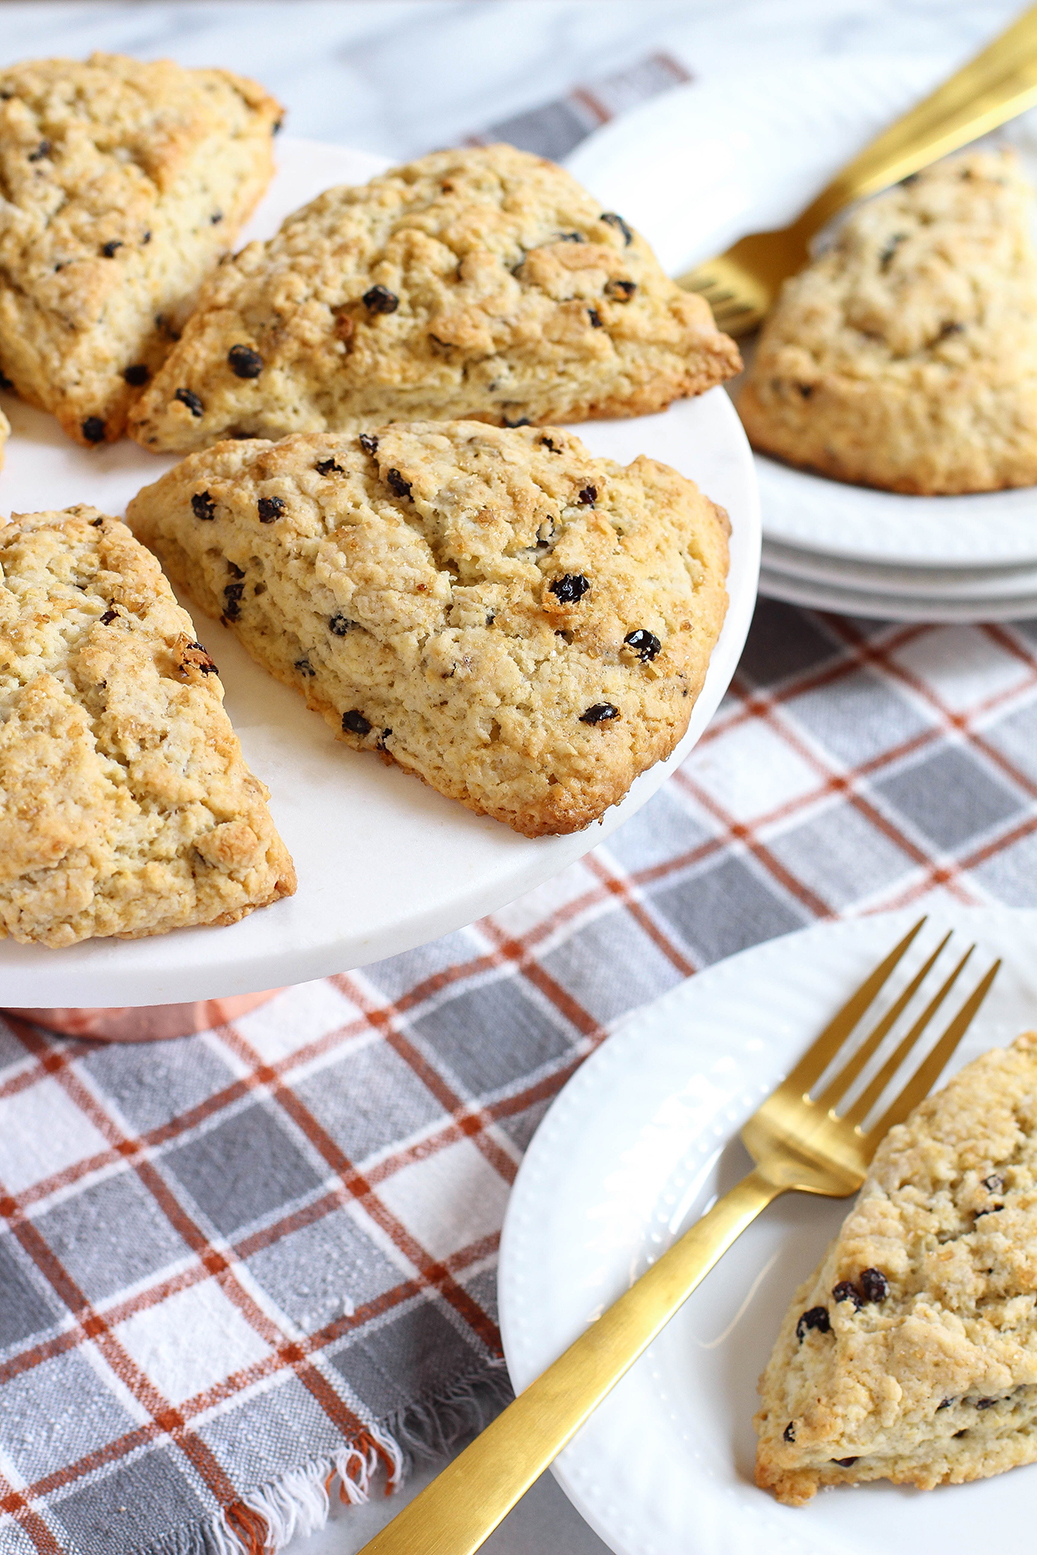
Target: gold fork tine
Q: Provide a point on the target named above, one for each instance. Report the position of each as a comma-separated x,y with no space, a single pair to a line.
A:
869,1096
817,1057
846,1076
929,1071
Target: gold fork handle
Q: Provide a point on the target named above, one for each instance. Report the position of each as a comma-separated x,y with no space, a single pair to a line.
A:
463,1506
992,88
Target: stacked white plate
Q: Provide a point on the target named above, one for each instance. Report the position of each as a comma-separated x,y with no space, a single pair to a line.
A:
701,166
874,553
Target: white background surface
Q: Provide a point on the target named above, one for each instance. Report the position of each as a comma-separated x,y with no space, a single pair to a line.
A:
399,77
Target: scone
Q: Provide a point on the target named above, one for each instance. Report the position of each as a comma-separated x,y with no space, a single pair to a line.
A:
906,355
911,1354
123,184
126,807
5,432
522,625
481,283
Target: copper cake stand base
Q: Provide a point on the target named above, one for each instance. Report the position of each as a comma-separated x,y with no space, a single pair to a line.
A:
147,1022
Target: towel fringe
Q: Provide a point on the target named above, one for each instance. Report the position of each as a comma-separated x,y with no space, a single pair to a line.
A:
265,1519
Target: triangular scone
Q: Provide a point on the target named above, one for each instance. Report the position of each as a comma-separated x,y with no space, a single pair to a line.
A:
522,625
126,807
123,183
905,357
479,283
911,1354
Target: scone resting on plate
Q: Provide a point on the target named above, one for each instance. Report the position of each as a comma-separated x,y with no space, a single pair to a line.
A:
482,283
905,356
524,626
122,185
126,807
911,1354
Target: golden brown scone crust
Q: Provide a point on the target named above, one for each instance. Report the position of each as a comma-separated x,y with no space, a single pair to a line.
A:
935,1383
905,357
121,185
411,588
496,289
126,807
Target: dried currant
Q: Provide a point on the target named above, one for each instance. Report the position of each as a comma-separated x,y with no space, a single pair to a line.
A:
571,237
305,667
137,375
618,222
329,467
600,713
588,496
189,398
620,290
845,1463
995,1182
523,421
814,1317
244,362
93,429
354,722
396,483
339,625
874,1285
789,1433
987,1403
109,616
570,587
369,443
644,643
232,596
595,318
270,508
108,249
846,1290
5,382
202,505
379,299
545,442
42,150
215,218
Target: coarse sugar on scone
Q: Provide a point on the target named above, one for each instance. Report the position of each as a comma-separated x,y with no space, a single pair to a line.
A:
905,356
523,625
122,183
126,806
911,1353
483,283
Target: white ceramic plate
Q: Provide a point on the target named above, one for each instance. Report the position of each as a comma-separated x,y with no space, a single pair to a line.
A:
383,862
701,166
636,1147
881,605
940,584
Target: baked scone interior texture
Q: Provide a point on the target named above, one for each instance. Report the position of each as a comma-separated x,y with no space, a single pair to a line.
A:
126,806
122,183
905,356
472,283
524,626
911,1353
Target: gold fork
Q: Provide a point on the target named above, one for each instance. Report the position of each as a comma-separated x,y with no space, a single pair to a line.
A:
1001,82
796,1142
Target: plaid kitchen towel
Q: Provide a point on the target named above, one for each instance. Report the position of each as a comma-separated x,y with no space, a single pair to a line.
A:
237,1265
